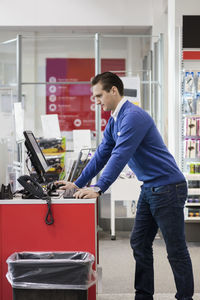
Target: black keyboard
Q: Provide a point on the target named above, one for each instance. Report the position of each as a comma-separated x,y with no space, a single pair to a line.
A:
69,193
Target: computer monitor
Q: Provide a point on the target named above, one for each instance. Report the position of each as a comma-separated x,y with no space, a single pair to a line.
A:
36,156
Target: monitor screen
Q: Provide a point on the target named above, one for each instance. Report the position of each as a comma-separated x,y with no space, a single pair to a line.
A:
36,156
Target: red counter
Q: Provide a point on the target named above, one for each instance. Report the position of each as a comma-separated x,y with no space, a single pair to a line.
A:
23,228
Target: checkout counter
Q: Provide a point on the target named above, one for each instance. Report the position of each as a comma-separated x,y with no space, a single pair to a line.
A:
23,228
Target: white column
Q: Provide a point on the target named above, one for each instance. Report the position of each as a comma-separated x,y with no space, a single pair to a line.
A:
171,76
129,61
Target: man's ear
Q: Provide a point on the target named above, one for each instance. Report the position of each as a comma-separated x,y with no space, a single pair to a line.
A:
114,90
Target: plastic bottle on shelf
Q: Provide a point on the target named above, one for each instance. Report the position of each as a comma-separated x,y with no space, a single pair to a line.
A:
198,105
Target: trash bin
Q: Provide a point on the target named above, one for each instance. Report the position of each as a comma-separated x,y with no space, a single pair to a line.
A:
50,275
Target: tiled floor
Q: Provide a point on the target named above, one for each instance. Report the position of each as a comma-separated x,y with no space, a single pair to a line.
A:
117,263
131,297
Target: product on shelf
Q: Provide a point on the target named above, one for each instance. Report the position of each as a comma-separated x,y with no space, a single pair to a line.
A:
193,168
190,148
189,105
198,105
193,184
193,212
57,165
191,93
198,83
53,145
189,86
193,200
54,150
192,126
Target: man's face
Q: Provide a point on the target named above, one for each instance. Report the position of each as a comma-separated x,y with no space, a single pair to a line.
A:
107,100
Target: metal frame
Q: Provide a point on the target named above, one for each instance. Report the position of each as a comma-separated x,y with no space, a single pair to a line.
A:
19,67
97,107
97,38
161,83
179,94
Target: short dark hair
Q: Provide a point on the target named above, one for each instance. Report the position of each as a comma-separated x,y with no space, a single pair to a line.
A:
108,80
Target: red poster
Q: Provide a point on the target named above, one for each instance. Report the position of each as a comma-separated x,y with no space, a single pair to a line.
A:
73,102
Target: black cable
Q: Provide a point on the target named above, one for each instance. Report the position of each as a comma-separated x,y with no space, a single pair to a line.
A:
49,220
26,162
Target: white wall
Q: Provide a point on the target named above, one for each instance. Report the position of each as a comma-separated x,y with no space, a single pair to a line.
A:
160,25
184,7
75,13
159,16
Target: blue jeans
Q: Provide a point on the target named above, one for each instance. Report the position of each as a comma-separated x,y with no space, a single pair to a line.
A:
161,207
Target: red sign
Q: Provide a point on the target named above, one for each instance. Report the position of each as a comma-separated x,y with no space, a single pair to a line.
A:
73,102
190,55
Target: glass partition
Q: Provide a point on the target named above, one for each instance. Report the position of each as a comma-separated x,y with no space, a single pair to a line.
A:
37,49
8,65
137,57
9,154
56,74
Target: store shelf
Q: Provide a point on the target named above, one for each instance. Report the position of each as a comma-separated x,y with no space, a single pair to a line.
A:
190,138
192,176
192,220
191,115
194,191
189,204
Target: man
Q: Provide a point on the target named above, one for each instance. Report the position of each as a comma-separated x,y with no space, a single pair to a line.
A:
132,137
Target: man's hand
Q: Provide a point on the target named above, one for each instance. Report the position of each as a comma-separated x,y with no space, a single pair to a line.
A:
86,193
67,185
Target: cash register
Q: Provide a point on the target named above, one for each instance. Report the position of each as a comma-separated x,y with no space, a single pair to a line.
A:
36,185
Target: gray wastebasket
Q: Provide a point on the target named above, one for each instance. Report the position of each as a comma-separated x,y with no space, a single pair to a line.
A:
50,275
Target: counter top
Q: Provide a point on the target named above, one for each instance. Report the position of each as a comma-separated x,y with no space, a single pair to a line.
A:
53,201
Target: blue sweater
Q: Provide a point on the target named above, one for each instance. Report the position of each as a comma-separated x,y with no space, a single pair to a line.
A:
134,139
